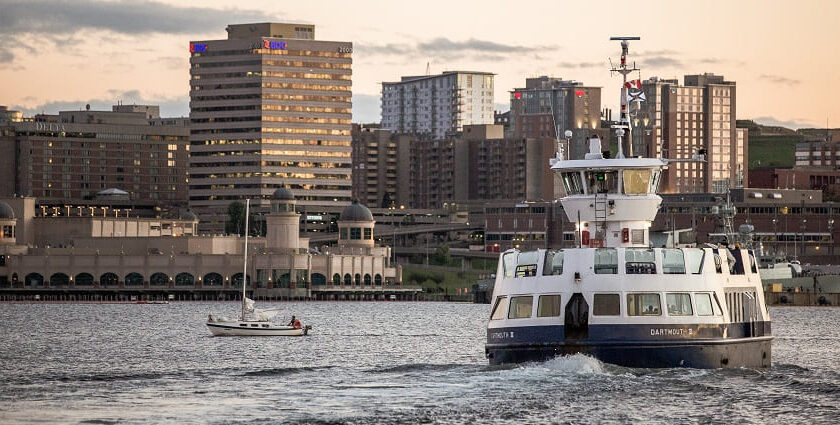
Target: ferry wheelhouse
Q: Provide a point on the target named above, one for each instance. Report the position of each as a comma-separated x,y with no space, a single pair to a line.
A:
616,297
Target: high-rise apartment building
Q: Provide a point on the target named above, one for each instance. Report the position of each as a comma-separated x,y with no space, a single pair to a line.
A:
547,107
69,158
437,105
376,175
269,107
478,163
683,119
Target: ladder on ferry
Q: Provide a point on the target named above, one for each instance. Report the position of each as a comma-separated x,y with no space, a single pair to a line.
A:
600,214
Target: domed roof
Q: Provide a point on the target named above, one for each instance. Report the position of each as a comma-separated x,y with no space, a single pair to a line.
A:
356,212
188,215
6,212
283,194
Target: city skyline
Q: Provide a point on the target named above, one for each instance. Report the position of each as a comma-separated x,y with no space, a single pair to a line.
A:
138,52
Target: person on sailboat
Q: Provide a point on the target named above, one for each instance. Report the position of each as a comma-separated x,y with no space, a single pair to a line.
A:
294,322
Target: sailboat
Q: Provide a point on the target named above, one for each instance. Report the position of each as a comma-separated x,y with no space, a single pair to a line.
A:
251,321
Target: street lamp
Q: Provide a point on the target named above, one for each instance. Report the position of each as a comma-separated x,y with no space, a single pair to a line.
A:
802,233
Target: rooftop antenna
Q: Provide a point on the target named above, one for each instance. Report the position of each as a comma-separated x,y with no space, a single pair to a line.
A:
623,126
428,68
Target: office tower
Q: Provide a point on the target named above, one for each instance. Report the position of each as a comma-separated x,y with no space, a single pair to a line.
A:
269,108
437,105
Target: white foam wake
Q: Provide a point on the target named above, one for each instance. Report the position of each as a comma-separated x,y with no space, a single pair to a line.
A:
580,364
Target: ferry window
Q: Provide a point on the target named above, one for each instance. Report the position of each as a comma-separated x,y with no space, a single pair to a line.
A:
548,306
643,305
679,304
673,261
704,304
602,181
716,306
636,182
520,307
606,305
509,263
553,263
654,182
718,268
639,261
573,184
526,264
499,309
606,261
526,270
637,236
694,259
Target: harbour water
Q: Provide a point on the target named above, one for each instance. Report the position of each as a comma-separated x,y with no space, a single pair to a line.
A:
375,362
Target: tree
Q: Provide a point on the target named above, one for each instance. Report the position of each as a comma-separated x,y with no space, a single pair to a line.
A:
236,218
387,201
441,256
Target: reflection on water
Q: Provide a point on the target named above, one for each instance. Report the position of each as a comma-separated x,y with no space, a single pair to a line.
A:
375,363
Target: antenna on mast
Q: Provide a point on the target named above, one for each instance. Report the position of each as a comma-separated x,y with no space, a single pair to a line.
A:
623,129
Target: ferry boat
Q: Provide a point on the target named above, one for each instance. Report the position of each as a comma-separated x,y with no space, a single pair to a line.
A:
617,298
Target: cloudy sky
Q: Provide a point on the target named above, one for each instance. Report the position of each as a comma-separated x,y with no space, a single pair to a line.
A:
57,55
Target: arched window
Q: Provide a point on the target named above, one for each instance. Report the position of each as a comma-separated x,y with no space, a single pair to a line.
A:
358,279
159,279
134,279
109,279
377,280
348,280
336,279
236,280
184,279
34,279
83,279
59,279
367,279
284,280
213,279
318,279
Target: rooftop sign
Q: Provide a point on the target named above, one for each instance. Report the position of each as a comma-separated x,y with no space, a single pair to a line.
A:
198,47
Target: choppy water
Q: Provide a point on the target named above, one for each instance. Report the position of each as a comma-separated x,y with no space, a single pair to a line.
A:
370,362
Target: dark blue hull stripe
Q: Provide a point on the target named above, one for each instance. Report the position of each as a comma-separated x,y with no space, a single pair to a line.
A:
701,346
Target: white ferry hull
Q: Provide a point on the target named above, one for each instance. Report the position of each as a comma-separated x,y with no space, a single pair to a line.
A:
247,329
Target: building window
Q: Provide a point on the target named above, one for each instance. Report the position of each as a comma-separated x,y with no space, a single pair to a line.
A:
355,233
368,234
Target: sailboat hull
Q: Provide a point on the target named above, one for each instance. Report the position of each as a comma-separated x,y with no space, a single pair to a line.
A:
252,329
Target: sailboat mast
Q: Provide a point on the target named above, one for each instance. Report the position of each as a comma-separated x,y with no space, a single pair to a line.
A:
245,262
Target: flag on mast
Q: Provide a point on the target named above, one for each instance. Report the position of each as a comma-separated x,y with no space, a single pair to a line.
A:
638,96
633,84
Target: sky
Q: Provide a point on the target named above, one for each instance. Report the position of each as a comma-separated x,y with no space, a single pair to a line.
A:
61,55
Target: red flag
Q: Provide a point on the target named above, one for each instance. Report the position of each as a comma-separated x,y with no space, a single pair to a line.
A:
633,84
